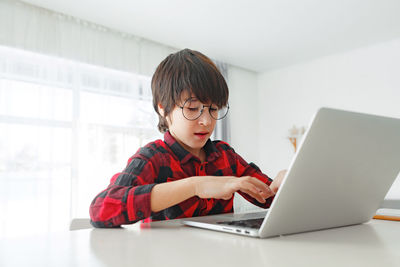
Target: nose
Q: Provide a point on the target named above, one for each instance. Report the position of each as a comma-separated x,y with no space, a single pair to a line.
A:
205,117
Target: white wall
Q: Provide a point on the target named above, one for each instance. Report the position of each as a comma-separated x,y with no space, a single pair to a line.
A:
244,121
243,112
365,80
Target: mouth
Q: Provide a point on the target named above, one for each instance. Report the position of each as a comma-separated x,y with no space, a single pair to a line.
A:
201,134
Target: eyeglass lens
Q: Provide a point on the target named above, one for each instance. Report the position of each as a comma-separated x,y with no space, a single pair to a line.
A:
193,108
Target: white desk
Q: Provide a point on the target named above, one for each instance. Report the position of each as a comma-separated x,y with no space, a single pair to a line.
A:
376,243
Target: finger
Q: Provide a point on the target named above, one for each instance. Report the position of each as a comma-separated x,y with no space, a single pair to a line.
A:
274,188
257,197
253,191
246,183
283,172
261,186
227,197
258,182
254,185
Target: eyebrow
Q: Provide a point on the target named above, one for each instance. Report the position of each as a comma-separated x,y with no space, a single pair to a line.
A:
195,99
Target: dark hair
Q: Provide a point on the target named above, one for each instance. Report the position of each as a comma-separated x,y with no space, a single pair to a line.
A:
191,71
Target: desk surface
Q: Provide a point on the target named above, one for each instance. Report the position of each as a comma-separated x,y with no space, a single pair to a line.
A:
376,243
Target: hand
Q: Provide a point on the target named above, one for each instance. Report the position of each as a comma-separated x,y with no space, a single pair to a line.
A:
223,187
277,181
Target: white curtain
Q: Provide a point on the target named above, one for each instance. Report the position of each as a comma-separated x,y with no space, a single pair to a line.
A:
75,104
43,31
40,30
65,129
222,127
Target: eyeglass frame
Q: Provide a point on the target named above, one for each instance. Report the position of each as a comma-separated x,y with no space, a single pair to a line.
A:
201,111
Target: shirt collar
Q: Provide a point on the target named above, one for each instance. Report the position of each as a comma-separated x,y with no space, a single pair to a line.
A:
184,156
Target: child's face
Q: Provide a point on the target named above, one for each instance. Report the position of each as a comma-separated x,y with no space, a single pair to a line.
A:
191,134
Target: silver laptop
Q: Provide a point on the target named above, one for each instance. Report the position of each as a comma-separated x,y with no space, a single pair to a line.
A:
342,171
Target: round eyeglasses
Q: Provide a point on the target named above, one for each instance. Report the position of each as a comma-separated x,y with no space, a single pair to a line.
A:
193,108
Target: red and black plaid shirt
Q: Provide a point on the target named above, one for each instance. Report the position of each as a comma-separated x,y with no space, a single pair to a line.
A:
127,199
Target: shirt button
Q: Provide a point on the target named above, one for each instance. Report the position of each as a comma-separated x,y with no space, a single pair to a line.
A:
201,167
139,214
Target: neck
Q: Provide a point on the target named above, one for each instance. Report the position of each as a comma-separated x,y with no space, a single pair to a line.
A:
200,153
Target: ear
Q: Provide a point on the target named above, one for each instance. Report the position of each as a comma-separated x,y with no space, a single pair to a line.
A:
161,109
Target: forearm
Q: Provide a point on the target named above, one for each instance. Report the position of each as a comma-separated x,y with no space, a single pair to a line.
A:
166,195
110,207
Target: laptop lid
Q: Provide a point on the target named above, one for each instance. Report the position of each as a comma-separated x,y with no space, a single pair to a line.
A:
341,172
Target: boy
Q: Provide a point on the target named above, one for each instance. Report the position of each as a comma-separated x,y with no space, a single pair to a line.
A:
187,174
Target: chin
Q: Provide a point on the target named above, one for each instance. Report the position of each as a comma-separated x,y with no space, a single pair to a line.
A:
198,145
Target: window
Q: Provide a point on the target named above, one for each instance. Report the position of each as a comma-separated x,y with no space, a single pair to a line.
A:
65,129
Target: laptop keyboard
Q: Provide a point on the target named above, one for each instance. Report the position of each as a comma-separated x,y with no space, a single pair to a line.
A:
249,223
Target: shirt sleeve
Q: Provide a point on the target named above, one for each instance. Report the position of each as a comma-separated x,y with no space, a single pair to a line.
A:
127,198
251,169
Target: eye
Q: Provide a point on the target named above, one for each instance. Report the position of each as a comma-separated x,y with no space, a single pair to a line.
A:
193,109
213,109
